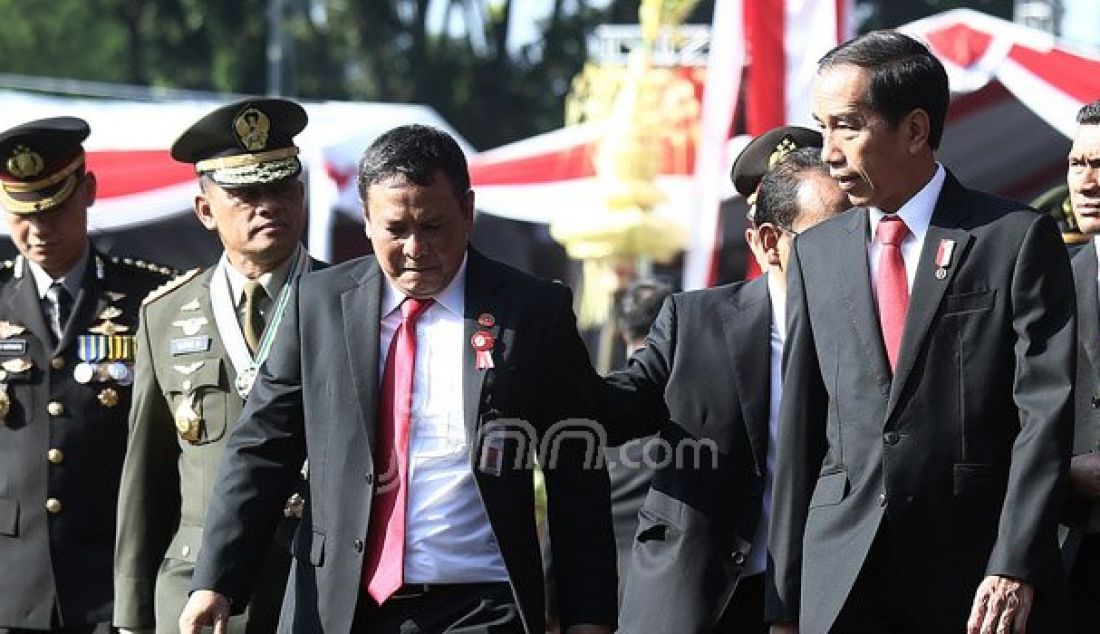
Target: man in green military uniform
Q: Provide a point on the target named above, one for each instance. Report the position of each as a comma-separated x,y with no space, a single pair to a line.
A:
67,320
202,338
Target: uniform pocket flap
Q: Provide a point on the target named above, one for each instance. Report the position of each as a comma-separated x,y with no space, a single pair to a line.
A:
830,489
189,376
185,545
9,517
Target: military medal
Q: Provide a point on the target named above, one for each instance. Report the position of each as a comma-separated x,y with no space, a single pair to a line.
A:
108,327
943,257
120,373
483,349
109,313
108,397
8,329
188,422
83,372
191,326
244,381
18,365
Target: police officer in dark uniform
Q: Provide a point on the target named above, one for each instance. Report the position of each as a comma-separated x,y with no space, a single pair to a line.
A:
68,315
201,340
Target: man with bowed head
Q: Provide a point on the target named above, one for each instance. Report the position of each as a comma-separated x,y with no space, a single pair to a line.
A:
387,374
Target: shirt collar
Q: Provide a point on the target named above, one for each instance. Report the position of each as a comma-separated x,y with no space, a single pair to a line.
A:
778,298
272,281
453,297
71,280
917,211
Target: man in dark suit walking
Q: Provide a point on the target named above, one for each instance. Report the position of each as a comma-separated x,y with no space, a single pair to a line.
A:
418,381
67,320
1082,544
926,418
709,378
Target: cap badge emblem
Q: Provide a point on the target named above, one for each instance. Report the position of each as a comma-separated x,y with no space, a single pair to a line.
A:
252,127
25,163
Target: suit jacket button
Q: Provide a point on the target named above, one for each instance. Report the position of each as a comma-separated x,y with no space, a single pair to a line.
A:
882,499
57,363
358,544
55,409
369,478
1095,402
890,438
53,506
55,456
739,558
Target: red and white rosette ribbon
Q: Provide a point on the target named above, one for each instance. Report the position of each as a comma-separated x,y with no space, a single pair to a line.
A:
483,342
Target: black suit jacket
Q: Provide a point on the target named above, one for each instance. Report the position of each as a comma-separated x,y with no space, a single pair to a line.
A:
317,395
55,562
1086,438
962,453
703,377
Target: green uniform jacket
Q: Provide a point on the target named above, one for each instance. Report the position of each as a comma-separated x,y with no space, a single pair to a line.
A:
62,442
167,480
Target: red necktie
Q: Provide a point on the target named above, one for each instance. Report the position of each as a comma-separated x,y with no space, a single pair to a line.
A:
385,556
892,285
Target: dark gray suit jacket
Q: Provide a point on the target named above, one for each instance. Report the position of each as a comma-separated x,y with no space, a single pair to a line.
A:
317,395
1086,438
963,453
703,378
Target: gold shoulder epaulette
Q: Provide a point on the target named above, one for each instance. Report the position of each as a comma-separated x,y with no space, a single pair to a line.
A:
172,285
146,266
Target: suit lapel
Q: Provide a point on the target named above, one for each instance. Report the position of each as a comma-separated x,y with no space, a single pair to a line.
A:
747,327
1088,306
362,305
928,289
26,305
86,304
854,276
480,300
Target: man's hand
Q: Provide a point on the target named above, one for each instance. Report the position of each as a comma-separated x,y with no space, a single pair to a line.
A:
205,608
1001,606
587,628
784,628
1084,474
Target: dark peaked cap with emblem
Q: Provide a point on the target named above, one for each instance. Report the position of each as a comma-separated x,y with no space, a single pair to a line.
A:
41,163
763,152
249,142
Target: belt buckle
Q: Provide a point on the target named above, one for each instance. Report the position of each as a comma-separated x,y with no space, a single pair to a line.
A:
411,591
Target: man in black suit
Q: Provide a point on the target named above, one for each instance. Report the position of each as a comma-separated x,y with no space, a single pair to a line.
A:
1082,544
67,320
926,419
420,513
709,378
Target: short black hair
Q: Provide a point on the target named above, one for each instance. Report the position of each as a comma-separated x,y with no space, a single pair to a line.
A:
1089,114
639,305
416,152
905,76
777,202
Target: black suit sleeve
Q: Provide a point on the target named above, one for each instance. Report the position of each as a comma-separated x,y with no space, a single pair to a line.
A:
578,491
261,464
632,400
1043,321
799,452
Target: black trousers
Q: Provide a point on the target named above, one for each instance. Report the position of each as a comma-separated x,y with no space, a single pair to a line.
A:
876,602
464,608
745,612
1084,586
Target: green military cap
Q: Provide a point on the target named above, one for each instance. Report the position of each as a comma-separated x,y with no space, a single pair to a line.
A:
249,142
763,152
40,163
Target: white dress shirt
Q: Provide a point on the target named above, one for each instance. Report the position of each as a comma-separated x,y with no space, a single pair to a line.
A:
917,214
448,538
